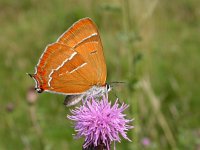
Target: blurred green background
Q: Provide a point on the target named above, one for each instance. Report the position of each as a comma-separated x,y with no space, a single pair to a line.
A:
154,46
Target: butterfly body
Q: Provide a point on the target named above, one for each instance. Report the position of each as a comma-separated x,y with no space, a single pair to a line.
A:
95,91
74,64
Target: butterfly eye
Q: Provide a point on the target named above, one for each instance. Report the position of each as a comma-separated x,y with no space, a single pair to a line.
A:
108,87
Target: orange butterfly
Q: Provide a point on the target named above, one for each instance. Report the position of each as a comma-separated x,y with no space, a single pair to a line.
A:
74,65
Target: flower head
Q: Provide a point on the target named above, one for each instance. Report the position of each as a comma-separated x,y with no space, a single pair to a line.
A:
146,141
100,123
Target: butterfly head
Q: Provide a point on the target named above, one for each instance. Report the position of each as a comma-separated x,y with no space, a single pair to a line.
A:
113,85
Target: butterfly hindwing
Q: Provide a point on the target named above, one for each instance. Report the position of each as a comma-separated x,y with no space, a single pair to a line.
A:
56,74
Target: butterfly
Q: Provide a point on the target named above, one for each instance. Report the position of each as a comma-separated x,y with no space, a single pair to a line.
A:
74,65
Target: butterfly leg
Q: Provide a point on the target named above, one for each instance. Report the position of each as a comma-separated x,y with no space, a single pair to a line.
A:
71,100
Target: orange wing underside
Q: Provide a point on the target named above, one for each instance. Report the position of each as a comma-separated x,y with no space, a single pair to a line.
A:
74,63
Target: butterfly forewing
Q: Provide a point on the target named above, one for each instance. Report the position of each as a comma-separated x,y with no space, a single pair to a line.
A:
78,32
83,36
90,52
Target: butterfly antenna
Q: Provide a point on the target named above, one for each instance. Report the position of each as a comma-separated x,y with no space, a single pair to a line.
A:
117,82
112,84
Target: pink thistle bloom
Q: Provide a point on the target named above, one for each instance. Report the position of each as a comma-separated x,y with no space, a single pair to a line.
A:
100,123
146,141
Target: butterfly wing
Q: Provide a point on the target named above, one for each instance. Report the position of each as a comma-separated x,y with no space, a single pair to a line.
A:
55,71
74,63
84,38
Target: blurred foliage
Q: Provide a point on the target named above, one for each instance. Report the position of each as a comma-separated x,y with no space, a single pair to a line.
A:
151,45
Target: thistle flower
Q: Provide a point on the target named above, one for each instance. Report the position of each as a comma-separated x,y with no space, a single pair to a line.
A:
100,123
146,141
